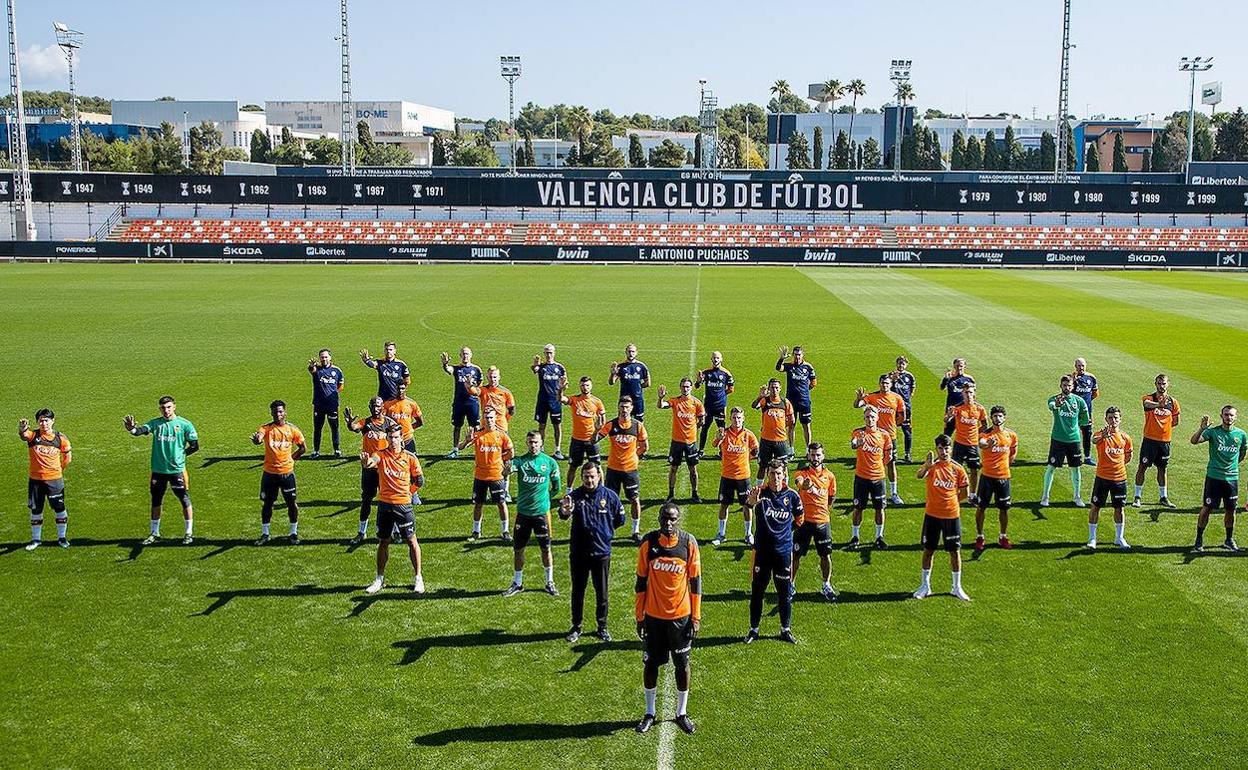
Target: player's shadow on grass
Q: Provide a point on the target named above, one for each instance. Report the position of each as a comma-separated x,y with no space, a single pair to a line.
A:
342,506
1080,549
258,459
738,549
415,649
525,731
362,603
222,598
588,650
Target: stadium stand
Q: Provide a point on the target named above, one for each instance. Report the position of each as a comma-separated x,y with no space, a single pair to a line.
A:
681,234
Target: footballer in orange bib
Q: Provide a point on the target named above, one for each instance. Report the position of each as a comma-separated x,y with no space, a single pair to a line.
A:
816,486
891,409
778,419
737,447
283,444
626,443
49,452
998,447
687,417
872,447
374,431
400,477
492,453
968,419
406,413
946,484
1161,417
588,415
1113,454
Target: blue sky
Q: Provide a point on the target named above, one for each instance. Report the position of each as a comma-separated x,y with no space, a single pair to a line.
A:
645,55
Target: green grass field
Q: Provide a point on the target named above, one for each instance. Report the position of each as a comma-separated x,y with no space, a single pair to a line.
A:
223,654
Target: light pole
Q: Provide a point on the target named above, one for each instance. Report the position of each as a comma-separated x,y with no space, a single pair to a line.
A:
1193,64
23,217
899,73
186,140
70,41
1063,99
509,67
556,140
346,109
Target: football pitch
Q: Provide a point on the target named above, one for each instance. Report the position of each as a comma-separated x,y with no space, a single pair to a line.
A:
226,654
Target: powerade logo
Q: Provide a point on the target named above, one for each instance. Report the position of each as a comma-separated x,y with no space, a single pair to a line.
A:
811,255
572,254
1067,259
992,257
75,250
902,256
489,253
323,251
1155,259
242,251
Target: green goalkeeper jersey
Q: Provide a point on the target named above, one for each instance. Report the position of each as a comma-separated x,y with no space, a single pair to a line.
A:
1069,412
538,474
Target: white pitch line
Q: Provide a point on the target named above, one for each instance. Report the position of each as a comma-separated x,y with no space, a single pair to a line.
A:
693,337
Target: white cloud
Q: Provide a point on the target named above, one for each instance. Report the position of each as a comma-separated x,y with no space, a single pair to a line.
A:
44,66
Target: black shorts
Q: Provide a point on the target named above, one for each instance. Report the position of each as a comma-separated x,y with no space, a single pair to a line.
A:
771,450
966,455
273,483
1111,493
990,489
934,529
548,411
469,412
868,491
51,491
819,534
780,564
410,445
801,410
175,481
368,483
626,484
1154,453
733,489
680,452
667,638
580,451
329,413
488,491
718,413
1221,493
532,526
395,522
1070,452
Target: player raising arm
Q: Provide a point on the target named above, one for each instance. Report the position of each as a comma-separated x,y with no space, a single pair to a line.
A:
401,476
872,445
588,416
969,420
283,444
1161,417
1227,447
173,439
800,380
952,384
49,452
328,382
892,411
998,446
551,377
947,484
737,446
688,415
375,432
1113,449
465,406
777,427
390,372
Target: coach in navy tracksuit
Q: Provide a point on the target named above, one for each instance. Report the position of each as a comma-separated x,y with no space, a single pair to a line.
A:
596,513
776,510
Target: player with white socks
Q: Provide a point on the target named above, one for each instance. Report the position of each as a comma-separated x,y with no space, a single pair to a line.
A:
1113,453
400,477
947,485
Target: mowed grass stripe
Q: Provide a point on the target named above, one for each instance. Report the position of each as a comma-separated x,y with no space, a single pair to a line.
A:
1215,283
1165,304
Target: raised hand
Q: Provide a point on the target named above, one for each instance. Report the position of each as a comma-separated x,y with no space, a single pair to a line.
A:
862,393
364,356
312,362
930,461
537,360
615,368
563,383
23,425
257,437
662,392
762,392
1204,421
720,435
566,506
784,351
347,414
128,421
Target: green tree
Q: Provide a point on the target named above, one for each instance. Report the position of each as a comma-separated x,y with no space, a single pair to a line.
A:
1120,154
1012,153
668,154
992,154
817,151
476,152
636,155
120,156
324,151
261,146
1091,159
697,151
364,143
798,157
1146,163
144,152
288,152
1070,146
167,151
957,152
206,148
1232,141
439,150
842,151
936,159
911,144
1048,152
871,155
530,157
1174,146
1158,155
833,91
574,156
856,88
973,159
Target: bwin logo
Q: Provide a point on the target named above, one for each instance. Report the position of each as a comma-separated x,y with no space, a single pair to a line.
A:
962,196
65,187
186,189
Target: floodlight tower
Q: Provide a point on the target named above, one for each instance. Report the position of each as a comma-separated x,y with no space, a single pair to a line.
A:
708,126
346,133
509,68
899,73
1193,64
1063,98
70,41
23,217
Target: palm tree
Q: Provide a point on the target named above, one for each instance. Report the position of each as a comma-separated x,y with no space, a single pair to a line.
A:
780,89
833,90
905,93
857,88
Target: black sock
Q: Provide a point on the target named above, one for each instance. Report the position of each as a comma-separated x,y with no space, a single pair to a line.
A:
1230,531
1200,534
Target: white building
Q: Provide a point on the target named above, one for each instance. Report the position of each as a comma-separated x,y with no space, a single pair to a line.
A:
544,151
406,124
236,125
651,139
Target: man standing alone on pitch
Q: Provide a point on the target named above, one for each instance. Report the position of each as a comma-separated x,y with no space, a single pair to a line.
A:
539,479
1227,448
328,382
1161,417
551,377
800,380
390,372
596,513
776,509
173,439
283,444
49,452
947,484
668,610
1069,412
